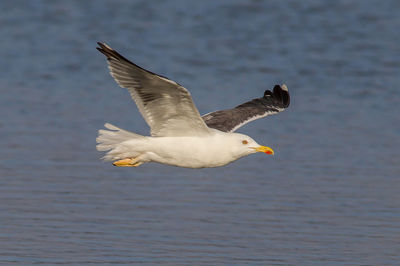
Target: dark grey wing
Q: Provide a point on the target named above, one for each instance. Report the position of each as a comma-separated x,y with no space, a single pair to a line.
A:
229,120
166,106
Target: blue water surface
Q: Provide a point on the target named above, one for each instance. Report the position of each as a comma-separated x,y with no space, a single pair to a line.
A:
329,196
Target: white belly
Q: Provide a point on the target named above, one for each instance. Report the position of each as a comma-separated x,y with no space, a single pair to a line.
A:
188,152
192,152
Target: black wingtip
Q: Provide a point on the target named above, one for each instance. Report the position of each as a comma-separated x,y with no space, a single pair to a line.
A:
280,94
104,49
110,53
102,46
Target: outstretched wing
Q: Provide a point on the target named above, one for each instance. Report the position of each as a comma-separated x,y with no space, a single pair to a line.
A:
166,106
231,119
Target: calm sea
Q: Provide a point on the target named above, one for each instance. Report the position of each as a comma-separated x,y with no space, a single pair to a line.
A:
330,195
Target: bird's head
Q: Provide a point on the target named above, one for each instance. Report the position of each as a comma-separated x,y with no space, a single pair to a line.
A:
243,145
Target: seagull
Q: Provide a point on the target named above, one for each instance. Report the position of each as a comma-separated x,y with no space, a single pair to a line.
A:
180,136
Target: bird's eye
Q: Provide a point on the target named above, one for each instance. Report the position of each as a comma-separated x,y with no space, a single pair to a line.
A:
245,142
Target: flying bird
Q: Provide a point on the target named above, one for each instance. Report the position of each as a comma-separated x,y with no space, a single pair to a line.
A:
180,136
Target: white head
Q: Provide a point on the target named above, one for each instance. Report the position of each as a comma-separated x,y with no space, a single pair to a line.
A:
242,145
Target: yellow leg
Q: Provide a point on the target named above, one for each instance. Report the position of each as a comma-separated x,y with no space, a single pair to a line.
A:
128,162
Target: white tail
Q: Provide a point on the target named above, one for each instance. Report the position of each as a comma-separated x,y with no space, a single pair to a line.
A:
110,140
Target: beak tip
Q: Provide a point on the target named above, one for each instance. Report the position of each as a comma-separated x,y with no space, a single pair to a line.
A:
265,150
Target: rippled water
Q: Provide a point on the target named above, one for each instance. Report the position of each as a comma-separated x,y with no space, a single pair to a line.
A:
329,196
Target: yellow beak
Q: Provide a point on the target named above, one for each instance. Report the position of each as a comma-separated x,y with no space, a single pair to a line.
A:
265,149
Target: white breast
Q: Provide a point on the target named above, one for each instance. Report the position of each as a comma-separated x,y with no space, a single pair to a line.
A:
193,152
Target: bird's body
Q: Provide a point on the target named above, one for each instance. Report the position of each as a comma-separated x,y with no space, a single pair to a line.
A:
180,136
186,151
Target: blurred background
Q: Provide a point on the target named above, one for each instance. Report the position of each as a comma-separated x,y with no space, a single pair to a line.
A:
329,196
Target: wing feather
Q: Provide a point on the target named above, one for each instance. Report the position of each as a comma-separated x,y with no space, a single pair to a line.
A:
166,106
231,119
